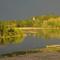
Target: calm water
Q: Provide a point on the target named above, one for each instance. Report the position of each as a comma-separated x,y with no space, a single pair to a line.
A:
28,43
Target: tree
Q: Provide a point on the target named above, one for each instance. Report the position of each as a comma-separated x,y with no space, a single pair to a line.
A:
13,36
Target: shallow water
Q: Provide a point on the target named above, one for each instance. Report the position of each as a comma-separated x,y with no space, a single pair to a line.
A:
28,43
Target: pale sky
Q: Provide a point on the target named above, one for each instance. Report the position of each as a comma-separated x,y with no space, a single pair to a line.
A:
21,9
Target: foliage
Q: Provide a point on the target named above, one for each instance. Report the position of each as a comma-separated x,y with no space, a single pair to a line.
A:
8,33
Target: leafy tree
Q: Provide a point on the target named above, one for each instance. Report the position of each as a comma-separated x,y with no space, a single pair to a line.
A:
13,36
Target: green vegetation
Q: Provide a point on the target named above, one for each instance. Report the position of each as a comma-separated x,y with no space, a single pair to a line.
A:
8,33
54,23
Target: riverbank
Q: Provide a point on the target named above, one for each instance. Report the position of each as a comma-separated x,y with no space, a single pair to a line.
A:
36,54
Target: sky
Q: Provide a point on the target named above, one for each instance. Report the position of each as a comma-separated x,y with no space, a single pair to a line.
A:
22,9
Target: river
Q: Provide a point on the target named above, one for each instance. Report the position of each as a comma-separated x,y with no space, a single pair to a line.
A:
28,43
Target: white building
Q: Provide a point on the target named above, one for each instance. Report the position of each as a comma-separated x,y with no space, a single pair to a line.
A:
33,18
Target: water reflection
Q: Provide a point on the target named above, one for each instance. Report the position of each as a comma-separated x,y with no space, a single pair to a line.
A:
28,43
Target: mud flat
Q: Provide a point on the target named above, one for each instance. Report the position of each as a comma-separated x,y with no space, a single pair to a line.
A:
35,56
